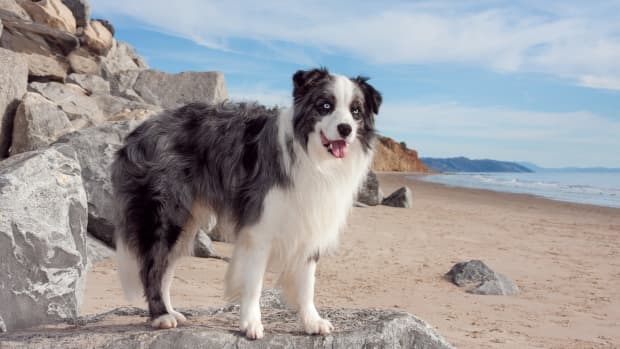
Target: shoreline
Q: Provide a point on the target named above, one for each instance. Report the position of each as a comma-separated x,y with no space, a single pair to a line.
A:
565,258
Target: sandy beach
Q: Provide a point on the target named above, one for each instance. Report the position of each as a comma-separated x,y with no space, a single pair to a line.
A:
565,258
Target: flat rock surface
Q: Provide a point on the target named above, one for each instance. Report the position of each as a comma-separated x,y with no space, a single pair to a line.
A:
217,328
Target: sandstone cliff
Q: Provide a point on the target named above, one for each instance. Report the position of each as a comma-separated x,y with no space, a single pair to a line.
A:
393,156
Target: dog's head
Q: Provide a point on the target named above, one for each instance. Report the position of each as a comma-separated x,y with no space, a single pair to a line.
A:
333,112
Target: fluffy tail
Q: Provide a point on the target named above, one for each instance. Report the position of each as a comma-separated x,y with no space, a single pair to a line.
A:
128,271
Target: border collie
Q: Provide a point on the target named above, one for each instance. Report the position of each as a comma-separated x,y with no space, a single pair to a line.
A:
282,182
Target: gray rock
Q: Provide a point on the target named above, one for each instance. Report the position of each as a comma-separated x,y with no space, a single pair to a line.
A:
113,107
121,57
2,325
45,68
370,193
1,27
97,250
174,90
82,110
93,84
14,80
480,279
21,35
96,147
42,237
217,328
203,247
38,123
80,10
83,62
121,85
402,197
13,7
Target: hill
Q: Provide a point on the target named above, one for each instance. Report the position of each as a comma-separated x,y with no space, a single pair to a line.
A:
463,164
393,156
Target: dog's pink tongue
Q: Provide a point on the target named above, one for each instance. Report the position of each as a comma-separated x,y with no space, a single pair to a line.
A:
339,149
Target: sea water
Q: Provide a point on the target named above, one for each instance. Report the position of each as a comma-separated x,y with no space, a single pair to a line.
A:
595,188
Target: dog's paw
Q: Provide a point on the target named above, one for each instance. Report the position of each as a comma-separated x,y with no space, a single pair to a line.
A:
165,321
180,317
318,326
252,329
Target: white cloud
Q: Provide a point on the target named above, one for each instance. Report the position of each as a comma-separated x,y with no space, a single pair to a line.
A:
547,138
571,39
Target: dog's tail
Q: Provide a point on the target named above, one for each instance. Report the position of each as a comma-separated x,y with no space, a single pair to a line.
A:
128,271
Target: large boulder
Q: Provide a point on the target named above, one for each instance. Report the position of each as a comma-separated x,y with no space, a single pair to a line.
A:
82,110
13,80
38,123
93,84
401,197
370,193
478,278
97,37
173,90
83,62
21,35
45,68
120,57
217,328
96,147
13,7
52,13
42,237
80,10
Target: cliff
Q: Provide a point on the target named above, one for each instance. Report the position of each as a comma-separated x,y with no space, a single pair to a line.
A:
393,156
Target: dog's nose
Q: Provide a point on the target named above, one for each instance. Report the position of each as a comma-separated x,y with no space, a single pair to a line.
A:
344,130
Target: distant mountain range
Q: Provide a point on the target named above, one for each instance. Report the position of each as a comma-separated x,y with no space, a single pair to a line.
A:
463,164
536,168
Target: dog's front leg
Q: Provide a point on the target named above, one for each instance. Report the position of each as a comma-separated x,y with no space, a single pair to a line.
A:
303,287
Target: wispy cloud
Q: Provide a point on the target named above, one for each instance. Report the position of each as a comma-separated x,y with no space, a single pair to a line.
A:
548,138
570,39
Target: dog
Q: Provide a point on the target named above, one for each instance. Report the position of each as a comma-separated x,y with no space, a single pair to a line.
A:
281,182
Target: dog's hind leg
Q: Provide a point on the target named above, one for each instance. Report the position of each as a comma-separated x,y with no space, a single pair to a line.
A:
244,280
298,285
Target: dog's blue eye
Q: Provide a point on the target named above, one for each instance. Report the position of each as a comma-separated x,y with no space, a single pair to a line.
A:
327,106
355,110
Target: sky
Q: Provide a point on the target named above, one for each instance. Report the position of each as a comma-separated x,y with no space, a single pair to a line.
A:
525,80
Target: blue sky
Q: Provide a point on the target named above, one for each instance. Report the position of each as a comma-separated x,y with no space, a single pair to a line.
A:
534,81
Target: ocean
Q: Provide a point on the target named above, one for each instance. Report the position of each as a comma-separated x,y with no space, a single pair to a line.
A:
595,188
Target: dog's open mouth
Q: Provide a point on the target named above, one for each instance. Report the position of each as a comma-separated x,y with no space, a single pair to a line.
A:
337,148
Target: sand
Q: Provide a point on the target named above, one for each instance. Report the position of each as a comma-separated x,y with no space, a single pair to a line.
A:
565,258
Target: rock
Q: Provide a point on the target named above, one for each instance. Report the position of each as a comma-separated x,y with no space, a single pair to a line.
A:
21,35
121,57
402,197
117,108
97,250
203,247
218,328
38,123
173,90
82,110
370,193
52,13
1,27
97,38
93,84
393,156
13,79
13,7
45,68
481,279
42,237
2,325
96,147
121,85
106,24
82,62
80,10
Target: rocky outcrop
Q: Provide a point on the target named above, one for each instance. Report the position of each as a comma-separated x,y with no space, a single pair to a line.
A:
478,278
217,328
42,237
96,147
120,58
38,123
52,13
174,90
401,197
370,193
393,156
13,79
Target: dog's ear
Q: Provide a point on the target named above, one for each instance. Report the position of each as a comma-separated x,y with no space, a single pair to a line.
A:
303,80
372,97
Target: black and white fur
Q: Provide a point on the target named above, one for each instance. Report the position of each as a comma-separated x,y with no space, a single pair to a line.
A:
271,177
